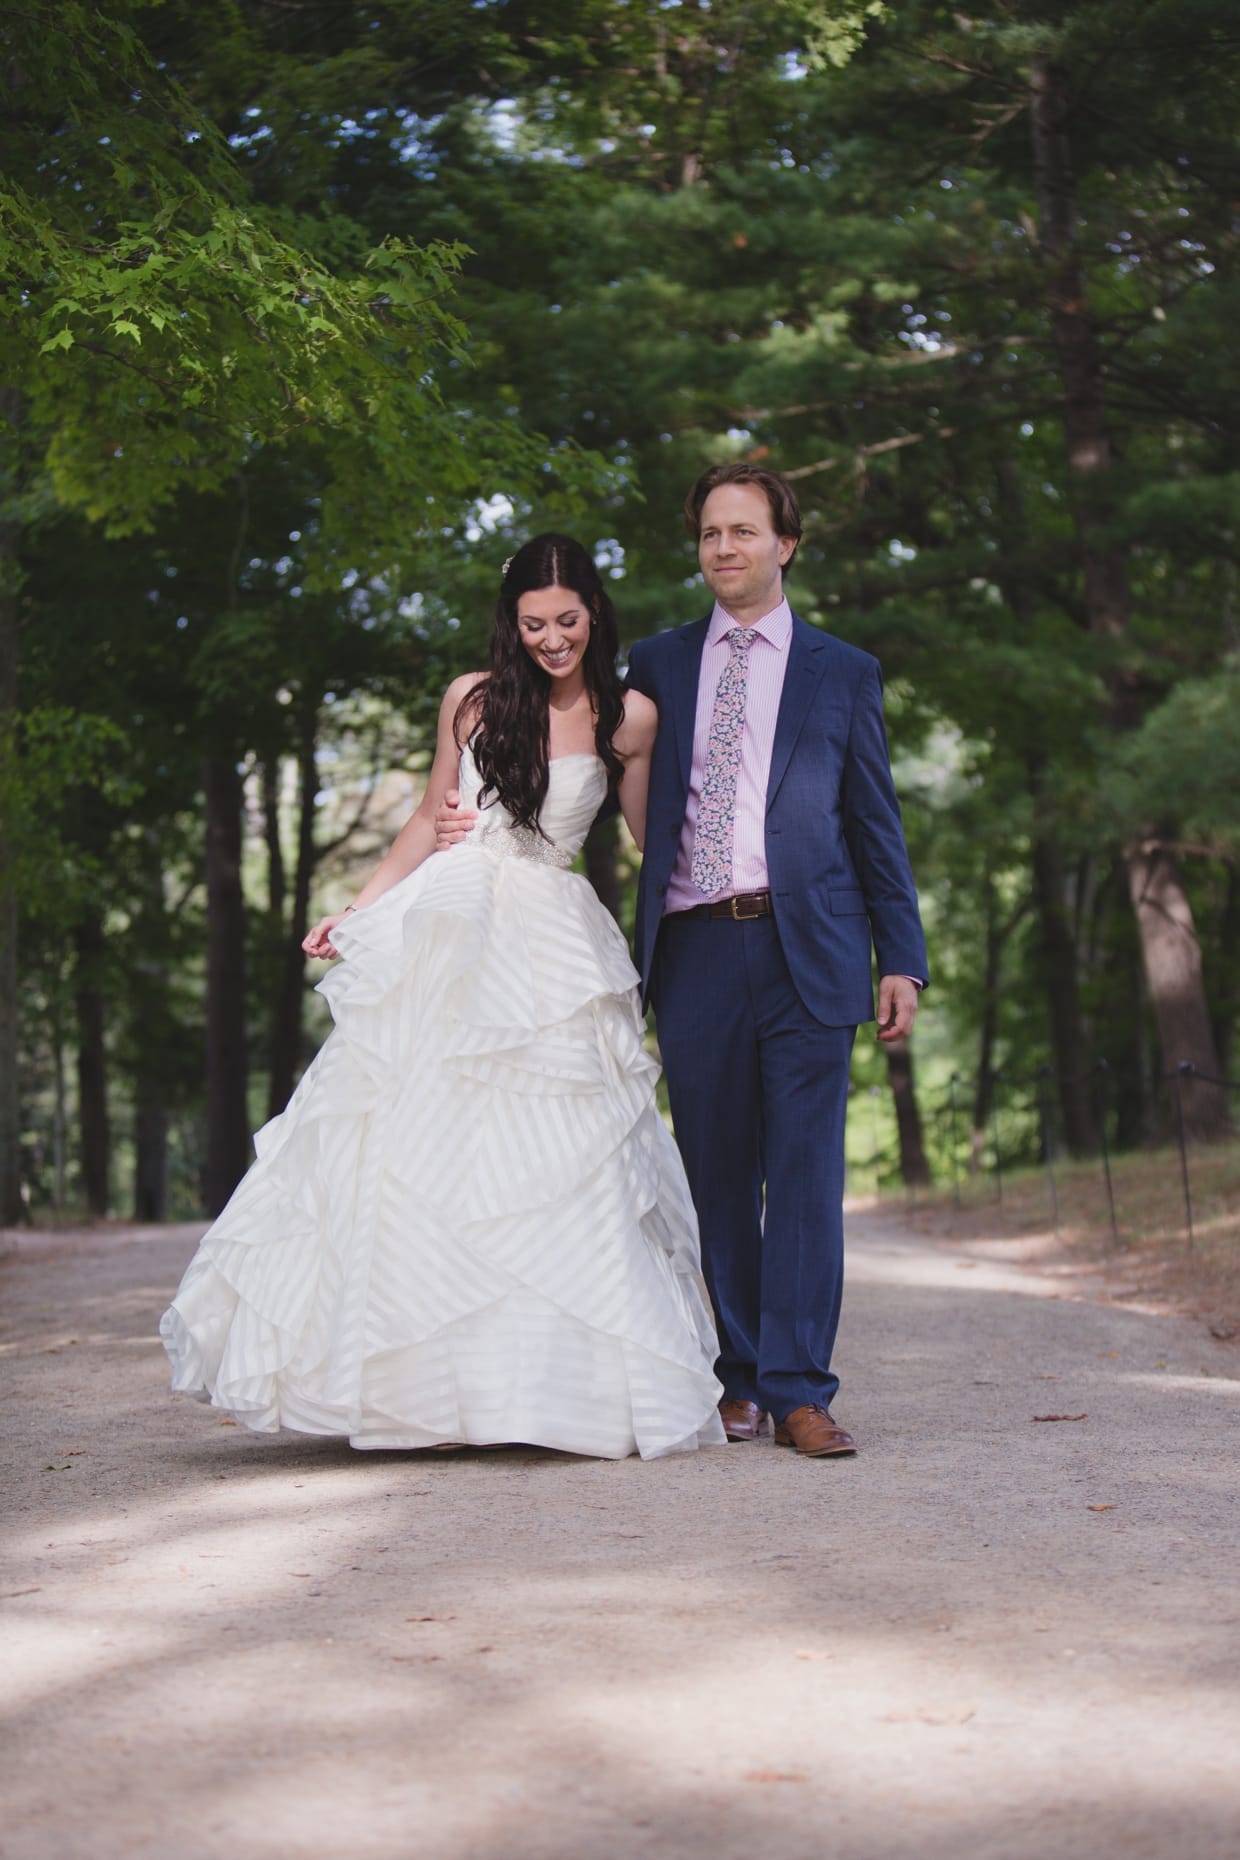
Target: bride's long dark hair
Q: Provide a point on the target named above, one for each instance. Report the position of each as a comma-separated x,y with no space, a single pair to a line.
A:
508,715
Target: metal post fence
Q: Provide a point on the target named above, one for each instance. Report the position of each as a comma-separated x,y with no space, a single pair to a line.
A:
1023,1133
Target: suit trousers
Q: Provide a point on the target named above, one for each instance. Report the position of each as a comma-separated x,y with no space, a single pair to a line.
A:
759,1097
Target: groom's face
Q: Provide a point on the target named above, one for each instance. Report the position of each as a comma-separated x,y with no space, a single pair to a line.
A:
741,554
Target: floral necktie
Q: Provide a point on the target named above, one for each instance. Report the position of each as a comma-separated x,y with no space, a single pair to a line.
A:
716,822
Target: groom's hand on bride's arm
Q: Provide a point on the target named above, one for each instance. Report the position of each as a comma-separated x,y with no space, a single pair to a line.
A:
897,1007
452,821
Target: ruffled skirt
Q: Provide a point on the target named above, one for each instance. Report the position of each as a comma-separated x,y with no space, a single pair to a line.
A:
471,1223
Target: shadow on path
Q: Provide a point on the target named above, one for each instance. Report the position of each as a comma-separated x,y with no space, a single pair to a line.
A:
988,1635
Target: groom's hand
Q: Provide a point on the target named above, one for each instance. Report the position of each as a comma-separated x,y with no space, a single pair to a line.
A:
897,1008
452,821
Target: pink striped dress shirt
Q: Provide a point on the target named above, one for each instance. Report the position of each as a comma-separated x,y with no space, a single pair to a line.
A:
768,661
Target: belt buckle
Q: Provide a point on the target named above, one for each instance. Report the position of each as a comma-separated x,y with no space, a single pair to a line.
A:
745,917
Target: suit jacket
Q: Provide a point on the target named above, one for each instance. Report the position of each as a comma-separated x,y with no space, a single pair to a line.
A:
835,852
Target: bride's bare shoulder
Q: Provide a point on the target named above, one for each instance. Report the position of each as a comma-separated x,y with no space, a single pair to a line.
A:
460,691
462,687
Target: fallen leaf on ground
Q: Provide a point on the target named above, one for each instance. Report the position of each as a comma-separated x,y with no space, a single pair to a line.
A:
960,1715
1061,1417
776,1776
430,1617
1099,1507
1108,1352
12,1592
1224,1332
806,1654
416,1659
228,1424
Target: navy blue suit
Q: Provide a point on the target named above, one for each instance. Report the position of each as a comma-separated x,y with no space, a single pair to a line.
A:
756,1020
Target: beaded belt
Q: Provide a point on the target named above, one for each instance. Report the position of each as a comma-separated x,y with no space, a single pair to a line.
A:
523,843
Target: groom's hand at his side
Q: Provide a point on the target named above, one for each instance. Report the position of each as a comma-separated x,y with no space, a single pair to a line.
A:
452,821
897,1007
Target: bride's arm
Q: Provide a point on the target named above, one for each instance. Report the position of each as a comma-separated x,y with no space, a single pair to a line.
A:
634,741
416,840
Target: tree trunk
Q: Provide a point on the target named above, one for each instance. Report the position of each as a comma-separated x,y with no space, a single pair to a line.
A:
271,833
914,1167
983,1093
1129,1040
602,863
60,1106
1063,998
1107,599
1172,958
150,1168
290,989
1169,947
228,1133
1058,939
11,1208
94,1137
1225,996
151,1036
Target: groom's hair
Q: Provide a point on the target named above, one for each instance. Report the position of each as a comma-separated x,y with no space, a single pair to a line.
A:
779,494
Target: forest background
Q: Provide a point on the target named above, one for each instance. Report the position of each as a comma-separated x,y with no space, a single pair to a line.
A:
314,308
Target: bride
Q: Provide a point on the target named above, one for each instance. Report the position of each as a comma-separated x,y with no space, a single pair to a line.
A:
471,1225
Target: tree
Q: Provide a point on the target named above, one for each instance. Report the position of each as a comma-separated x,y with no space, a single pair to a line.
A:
167,328
964,292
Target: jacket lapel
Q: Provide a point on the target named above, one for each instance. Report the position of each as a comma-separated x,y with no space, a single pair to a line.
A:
807,661
690,642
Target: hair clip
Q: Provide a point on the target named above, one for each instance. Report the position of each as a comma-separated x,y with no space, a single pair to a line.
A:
507,565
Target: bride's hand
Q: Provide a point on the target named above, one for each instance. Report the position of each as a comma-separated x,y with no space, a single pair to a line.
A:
318,941
452,821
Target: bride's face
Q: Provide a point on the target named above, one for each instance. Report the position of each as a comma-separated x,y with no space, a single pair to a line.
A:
554,624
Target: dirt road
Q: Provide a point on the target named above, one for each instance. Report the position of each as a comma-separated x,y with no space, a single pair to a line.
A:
989,1637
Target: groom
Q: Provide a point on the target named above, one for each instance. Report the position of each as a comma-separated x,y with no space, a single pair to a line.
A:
774,854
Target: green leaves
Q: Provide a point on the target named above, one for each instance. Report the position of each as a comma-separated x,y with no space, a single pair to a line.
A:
60,752
1181,769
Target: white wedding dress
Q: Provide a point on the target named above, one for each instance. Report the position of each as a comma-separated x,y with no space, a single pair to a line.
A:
471,1223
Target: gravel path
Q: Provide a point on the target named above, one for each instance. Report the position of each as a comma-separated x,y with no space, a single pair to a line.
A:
988,1637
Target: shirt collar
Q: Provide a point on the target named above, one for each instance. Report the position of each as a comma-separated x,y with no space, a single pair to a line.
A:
775,627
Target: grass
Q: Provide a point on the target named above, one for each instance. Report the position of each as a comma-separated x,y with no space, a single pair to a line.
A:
1151,1251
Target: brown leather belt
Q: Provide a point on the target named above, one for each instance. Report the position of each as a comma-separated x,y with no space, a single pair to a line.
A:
744,908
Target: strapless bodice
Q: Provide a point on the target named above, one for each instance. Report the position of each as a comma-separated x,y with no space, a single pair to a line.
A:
576,789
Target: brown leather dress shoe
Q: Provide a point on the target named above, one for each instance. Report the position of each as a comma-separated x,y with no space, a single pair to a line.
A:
812,1431
742,1420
